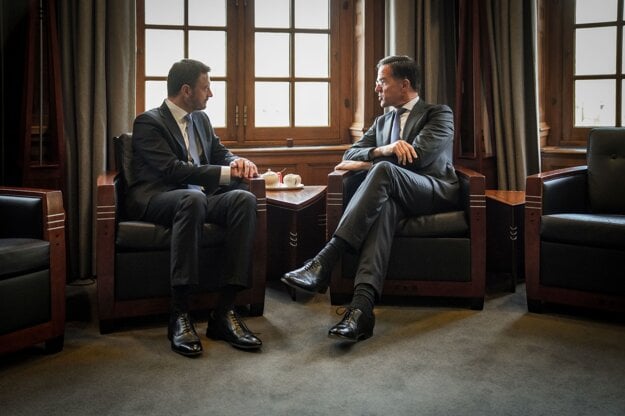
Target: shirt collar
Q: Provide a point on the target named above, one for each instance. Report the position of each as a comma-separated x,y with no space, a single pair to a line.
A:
410,104
178,113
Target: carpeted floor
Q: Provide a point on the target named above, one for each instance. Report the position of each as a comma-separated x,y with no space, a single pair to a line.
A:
424,359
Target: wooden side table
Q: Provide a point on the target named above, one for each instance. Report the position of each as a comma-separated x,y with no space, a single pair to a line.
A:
504,235
296,228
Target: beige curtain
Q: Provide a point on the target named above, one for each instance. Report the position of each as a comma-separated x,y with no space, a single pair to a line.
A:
435,48
512,28
98,67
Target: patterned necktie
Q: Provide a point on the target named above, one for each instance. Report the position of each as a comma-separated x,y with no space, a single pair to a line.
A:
396,124
194,156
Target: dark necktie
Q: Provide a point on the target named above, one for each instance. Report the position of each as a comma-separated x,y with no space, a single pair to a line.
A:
194,156
396,124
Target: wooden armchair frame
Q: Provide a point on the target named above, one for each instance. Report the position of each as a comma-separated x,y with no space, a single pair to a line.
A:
538,294
53,220
110,308
473,289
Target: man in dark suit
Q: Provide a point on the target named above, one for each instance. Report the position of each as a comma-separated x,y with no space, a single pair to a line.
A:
181,177
408,152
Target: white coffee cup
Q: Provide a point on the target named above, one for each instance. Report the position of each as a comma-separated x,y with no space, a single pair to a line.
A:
291,180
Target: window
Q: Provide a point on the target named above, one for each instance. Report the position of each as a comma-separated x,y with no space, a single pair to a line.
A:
597,77
586,69
274,64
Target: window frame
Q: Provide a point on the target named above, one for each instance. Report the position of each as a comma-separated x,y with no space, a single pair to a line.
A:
240,78
558,29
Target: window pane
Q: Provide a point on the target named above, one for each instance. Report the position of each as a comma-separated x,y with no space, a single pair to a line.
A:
164,12
155,93
272,13
272,54
595,102
592,11
210,48
272,104
207,12
162,49
591,59
311,55
311,14
216,105
311,103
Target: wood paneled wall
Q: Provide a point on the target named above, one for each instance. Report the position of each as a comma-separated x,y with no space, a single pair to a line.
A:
313,164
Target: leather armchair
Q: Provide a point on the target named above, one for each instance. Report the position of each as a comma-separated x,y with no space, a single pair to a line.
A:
575,229
132,262
32,269
448,247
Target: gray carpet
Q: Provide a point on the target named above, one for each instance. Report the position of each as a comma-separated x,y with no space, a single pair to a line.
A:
424,359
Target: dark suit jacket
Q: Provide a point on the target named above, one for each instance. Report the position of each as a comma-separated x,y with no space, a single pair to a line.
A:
160,161
430,130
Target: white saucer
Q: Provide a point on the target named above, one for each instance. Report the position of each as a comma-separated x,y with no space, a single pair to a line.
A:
283,187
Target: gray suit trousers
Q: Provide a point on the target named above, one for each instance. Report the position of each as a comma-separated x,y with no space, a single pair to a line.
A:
186,211
387,194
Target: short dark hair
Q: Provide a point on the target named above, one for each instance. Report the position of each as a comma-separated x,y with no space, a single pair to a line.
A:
185,71
403,66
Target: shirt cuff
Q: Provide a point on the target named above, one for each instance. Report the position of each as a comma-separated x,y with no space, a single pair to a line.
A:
224,178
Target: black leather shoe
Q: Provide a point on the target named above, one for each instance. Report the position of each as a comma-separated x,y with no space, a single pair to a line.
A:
355,326
184,339
230,328
311,277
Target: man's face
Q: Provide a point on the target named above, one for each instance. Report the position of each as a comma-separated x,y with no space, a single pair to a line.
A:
200,94
391,91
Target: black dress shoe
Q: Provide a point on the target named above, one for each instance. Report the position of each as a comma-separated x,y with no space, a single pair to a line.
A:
230,328
184,339
312,277
355,326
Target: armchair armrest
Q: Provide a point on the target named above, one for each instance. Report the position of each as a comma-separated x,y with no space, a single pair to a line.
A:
562,190
477,222
259,264
53,214
334,200
106,216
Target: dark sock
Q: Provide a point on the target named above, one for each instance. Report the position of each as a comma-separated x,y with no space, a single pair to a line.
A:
331,252
180,299
225,302
364,298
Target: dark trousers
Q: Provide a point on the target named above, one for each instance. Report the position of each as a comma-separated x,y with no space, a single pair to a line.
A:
387,194
186,210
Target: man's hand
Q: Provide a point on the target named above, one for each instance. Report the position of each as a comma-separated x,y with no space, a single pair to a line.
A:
353,165
243,168
403,150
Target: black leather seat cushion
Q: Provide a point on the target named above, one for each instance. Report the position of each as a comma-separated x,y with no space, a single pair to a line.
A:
146,236
22,255
592,230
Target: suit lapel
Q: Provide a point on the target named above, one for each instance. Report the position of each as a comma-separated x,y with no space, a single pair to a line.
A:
413,118
174,130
